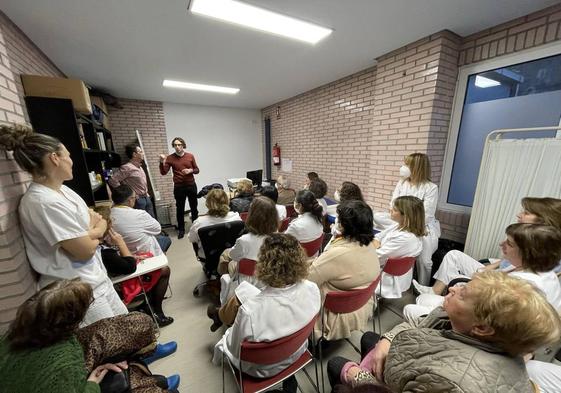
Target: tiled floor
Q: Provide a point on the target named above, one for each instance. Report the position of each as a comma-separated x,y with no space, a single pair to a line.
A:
195,341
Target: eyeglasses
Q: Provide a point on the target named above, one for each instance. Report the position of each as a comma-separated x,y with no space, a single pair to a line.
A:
178,144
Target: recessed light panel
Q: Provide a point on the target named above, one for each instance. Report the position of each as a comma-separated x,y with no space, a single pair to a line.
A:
260,19
201,87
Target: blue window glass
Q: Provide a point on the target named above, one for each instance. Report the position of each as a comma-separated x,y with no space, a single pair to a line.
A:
519,96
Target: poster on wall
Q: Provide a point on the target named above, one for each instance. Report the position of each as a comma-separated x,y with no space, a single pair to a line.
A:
286,165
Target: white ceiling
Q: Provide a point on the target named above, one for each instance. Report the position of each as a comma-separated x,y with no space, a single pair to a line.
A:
129,46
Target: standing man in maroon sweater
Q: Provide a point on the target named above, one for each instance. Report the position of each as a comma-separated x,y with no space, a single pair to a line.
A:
184,167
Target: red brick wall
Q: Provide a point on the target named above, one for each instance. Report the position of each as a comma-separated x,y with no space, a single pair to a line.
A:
409,95
148,118
17,55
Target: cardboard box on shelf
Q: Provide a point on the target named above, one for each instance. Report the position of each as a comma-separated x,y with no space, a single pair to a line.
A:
45,86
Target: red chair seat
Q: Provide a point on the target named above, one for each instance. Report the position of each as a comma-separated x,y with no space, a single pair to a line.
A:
246,266
253,384
313,247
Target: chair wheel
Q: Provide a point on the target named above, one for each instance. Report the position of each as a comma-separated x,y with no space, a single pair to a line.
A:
196,292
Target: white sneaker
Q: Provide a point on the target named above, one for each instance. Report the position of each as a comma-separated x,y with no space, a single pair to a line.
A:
421,289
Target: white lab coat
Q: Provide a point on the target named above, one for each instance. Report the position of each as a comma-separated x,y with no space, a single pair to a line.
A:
305,228
396,243
281,211
546,375
267,315
247,247
428,193
138,228
205,221
547,282
49,217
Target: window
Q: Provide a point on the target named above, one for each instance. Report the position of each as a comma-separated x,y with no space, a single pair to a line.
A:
519,91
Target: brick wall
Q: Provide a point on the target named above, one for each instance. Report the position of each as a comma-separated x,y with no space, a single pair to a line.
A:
529,31
148,118
17,55
414,91
332,123
409,99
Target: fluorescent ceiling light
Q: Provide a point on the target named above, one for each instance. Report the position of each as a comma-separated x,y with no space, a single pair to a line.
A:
260,19
481,81
198,86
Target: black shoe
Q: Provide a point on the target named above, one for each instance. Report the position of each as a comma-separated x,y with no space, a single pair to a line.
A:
163,320
180,234
212,313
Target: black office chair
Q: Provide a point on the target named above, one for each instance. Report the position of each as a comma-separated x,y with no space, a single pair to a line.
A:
215,239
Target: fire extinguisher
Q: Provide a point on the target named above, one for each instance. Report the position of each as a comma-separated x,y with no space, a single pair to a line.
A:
276,155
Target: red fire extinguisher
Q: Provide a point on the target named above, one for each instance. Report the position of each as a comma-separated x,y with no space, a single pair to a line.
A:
276,155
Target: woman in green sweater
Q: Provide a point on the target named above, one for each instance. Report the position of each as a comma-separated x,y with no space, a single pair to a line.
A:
40,352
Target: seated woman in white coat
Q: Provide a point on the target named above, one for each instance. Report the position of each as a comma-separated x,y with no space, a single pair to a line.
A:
273,194
307,226
415,181
400,240
219,212
456,264
262,220
534,250
286,304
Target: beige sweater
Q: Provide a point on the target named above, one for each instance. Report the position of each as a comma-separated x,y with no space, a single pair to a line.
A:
346,265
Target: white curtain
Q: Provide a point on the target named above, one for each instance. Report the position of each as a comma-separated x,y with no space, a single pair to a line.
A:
510,170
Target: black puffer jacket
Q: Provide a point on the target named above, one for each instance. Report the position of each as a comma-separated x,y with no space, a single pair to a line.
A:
241,203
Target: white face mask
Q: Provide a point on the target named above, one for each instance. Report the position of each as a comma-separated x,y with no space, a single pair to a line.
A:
404,171
336,196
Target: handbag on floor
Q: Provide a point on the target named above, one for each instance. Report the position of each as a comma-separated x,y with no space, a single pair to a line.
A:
115,382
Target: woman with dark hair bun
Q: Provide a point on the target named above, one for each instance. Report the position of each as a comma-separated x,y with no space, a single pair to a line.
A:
61,234
350,263
307,227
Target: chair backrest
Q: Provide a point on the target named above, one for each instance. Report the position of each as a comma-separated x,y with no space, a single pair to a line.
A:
216,238
291,211
246,266
343,302
284,224
244,215
278,350
399,266
313,246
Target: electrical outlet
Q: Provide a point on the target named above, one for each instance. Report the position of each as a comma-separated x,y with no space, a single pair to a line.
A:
157,195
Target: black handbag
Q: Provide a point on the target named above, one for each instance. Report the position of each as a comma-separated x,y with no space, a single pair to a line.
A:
114,382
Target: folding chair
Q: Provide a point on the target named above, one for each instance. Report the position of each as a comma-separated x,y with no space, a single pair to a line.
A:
313,247
246,266
284,224
215,239
394,267
344,302
271,352
291,211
